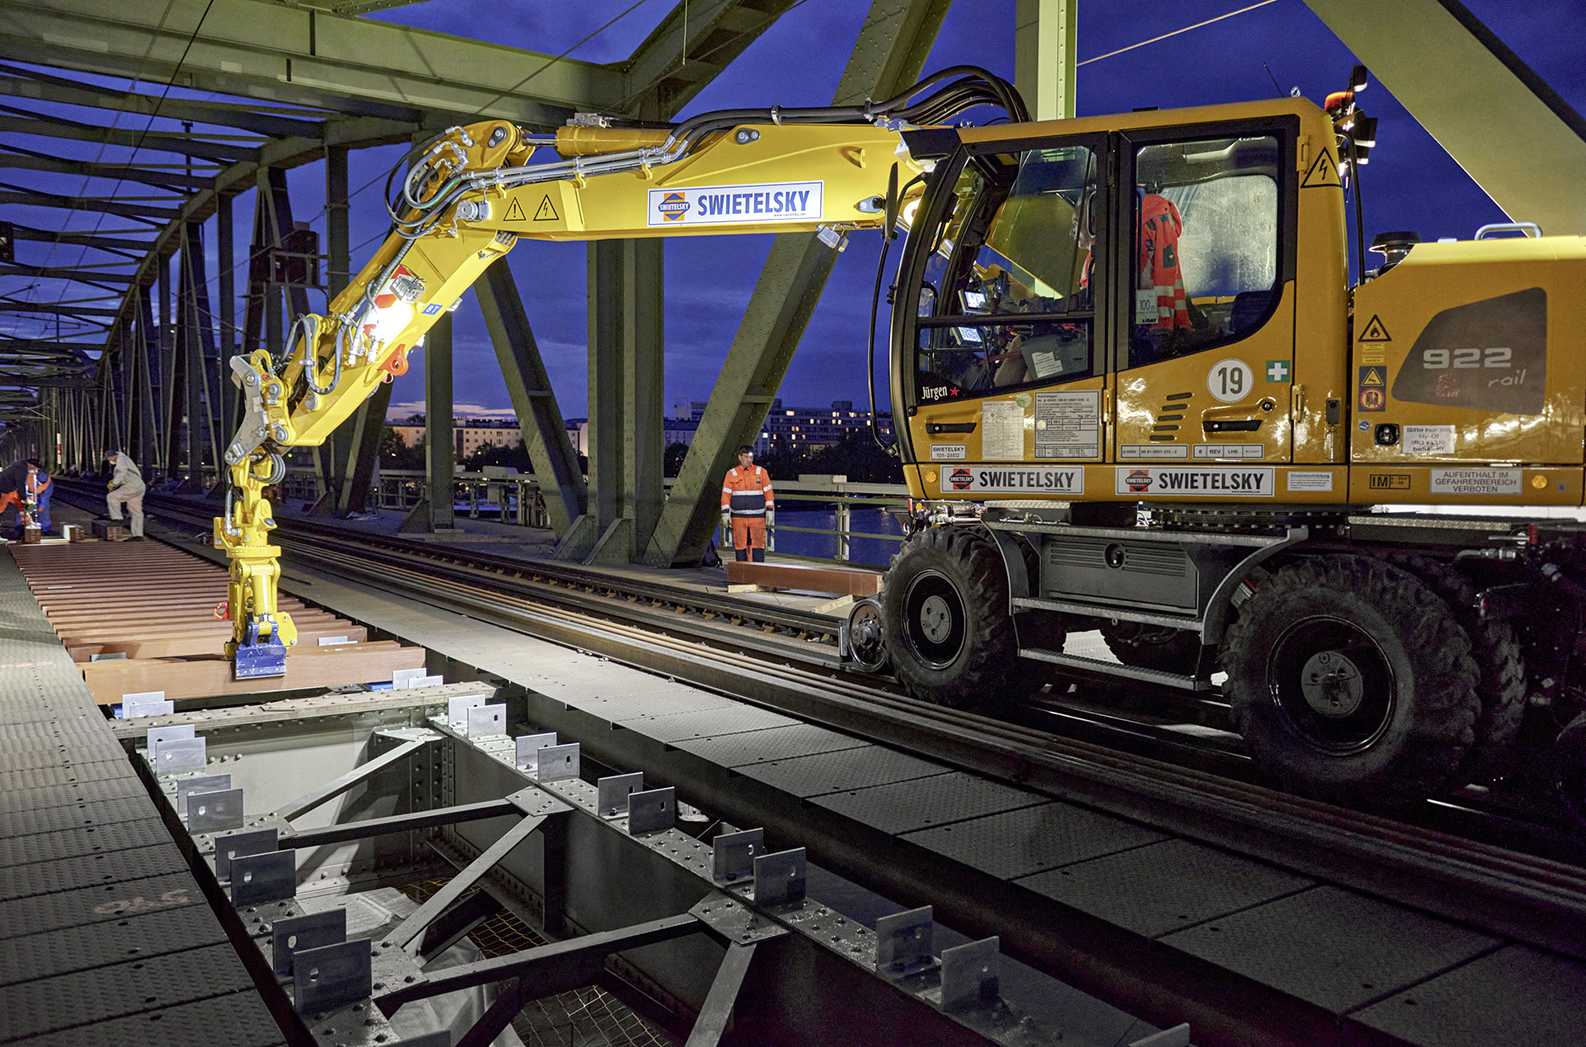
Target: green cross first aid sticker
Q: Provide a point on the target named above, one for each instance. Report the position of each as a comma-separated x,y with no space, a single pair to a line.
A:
1277,370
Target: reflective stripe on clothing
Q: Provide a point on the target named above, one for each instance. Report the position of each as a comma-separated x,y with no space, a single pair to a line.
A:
1160,273
747,492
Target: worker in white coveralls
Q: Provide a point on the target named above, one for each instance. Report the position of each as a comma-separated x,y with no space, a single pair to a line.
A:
126,486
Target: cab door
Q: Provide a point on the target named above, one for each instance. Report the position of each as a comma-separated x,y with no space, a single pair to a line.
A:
1002,358
1202,348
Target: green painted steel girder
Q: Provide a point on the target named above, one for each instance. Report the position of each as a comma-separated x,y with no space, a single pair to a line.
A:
539,418
303,56
893,44
1045,35
1491,111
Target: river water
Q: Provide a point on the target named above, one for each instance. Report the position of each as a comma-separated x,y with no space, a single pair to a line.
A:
873,552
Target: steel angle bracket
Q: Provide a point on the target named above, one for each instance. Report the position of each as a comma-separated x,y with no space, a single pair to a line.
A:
308,801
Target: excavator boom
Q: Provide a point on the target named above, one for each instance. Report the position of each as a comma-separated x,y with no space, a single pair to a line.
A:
467,199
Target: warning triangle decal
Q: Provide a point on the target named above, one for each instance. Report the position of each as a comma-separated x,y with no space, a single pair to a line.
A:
1370,376
515,213
547,211
1374,332
1323,172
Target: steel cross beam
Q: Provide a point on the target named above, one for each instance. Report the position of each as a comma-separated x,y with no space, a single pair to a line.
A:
397,823
407,933
548,969
717,1010
308,801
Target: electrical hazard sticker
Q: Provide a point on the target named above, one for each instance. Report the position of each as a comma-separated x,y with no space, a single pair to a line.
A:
546,212
1324,172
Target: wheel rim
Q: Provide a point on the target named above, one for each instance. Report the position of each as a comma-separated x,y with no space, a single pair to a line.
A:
934,619
864,636
1333,684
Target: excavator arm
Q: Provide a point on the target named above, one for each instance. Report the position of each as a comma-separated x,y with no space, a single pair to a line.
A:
463,204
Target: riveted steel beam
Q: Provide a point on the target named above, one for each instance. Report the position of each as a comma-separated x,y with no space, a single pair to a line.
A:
308,57
539,418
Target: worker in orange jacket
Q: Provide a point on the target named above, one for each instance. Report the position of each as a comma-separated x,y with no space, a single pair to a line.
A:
747,505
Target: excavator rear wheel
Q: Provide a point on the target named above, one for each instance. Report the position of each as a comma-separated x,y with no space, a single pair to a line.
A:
944,612
1351,681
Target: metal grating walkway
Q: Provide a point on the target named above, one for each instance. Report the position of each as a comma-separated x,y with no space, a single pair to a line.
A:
105,937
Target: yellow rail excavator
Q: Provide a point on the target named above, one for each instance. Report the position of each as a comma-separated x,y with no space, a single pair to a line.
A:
1135,392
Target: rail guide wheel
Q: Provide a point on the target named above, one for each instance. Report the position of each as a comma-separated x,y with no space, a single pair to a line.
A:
866,645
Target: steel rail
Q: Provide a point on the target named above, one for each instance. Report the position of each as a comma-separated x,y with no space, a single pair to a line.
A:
1532,899
1536,900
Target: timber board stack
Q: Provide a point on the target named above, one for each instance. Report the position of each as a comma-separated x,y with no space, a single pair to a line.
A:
155,606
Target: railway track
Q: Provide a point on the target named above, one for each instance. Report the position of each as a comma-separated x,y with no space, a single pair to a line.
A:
1451,857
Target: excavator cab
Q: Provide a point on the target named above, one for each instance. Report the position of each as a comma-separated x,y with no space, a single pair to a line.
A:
1112,313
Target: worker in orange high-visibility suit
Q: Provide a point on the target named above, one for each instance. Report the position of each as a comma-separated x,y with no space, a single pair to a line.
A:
747,505
1161,302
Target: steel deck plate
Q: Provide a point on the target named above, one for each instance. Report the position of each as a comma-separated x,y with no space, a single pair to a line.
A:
238,1020
1331,947
115,901
924,802
834,772
72,792
82,840
1166,886
109,868
70,815
627,706
45,777
733,719
1517,996
55,730
1031,839
86,750
775,743
135,936
84,997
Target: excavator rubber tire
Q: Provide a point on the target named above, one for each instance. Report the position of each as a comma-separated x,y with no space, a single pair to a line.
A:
944,613
1152,647
1351,681
1496,650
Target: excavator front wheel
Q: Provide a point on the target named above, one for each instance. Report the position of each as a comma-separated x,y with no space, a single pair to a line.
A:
944,613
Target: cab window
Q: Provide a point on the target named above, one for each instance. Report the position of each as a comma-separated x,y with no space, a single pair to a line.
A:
1007,296
1204,237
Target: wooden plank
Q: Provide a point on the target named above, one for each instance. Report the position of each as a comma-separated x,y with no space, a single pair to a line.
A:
836,580
195,608
202,677
98,632
191,644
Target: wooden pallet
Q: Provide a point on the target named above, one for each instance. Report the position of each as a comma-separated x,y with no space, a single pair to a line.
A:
154,606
